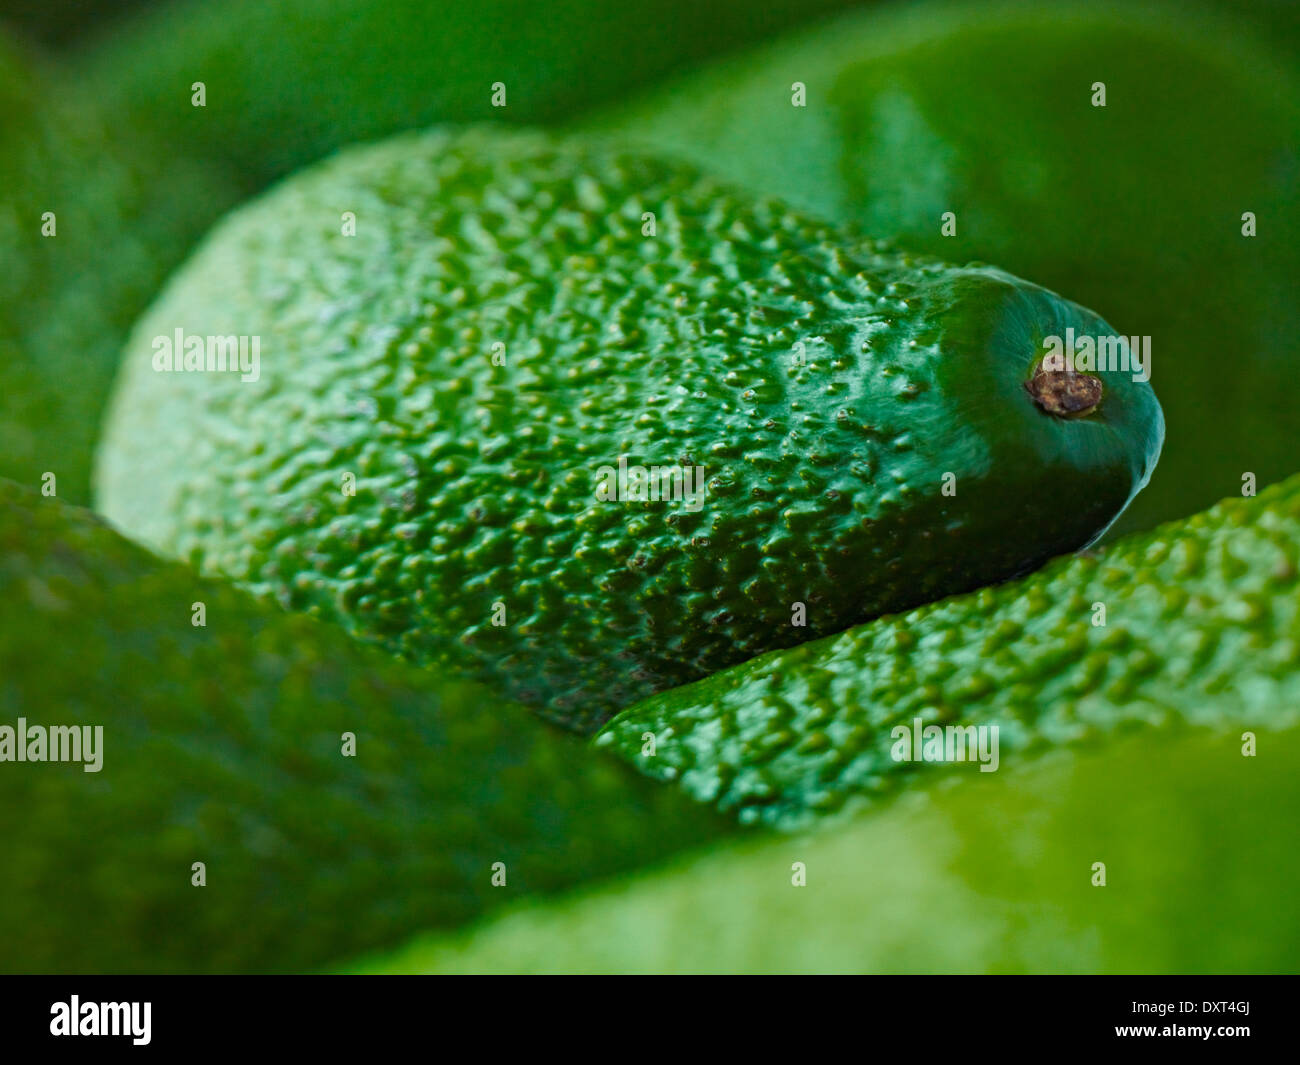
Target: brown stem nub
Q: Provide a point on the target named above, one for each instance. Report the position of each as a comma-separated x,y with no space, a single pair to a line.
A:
1065,393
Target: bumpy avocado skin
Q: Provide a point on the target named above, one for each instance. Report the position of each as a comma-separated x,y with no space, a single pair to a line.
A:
92,218
502,327
1201,628
1134,209
999,873
223,744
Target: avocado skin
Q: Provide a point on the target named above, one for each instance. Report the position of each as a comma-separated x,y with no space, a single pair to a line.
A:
989,874
1134,209
222,744
290,81
126,212
1202,630
476,482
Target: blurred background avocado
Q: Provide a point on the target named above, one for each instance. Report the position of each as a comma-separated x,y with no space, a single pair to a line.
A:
289,81
93,217
1166,853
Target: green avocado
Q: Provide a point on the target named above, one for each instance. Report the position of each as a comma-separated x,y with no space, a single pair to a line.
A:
286,82
586,426
217,731
92,219
976,130
1160,854
1193,625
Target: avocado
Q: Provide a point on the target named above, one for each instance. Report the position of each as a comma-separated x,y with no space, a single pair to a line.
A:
92,219
1193,625
993,874
286,82
337,800
586,426
1138,209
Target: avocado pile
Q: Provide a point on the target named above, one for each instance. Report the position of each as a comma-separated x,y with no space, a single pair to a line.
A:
804,491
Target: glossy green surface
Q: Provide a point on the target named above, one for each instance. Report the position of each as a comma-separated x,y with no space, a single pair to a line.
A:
1201,629
992,874
501,327
289,81
1133,209
223,744
124,213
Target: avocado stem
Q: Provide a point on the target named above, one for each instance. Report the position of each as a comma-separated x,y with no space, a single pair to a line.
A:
1065,393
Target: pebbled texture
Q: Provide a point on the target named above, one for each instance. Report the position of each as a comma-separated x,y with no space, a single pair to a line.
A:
222,744
477,477
1202,629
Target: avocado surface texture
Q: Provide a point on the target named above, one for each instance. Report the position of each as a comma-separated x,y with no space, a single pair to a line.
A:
1195,624
439,445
